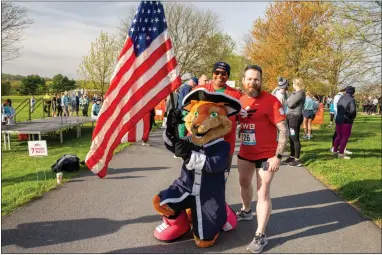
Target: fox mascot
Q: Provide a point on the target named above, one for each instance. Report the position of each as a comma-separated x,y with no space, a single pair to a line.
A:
197,197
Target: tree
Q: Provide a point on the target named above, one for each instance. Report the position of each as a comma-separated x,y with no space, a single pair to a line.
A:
14,20
197,40
31,84
286,41
99,65
6,88
62,83
366,22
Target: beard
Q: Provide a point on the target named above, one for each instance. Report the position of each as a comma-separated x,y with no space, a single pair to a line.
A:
253,91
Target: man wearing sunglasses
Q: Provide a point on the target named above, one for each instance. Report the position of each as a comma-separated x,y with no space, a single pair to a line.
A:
261,118
220,75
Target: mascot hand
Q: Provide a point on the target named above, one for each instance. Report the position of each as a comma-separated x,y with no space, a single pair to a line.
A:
183,149
174,118
243,113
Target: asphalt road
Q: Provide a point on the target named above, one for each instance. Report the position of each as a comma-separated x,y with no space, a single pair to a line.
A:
114,214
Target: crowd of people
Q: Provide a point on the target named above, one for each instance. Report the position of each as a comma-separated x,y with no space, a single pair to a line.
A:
68,105
7,113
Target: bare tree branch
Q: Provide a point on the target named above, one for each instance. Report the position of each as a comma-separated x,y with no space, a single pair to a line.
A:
14,20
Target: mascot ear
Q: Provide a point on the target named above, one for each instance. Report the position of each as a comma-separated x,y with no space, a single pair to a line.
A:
189,106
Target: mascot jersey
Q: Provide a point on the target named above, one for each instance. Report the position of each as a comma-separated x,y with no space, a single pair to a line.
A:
190,189
231,136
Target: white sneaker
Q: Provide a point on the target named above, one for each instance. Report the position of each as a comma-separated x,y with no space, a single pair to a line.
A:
348,152
176,156
332,150
343,156
145,144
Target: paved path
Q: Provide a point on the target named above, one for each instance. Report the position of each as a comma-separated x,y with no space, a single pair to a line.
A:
114,214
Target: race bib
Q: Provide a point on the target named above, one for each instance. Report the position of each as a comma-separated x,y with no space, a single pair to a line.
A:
248,137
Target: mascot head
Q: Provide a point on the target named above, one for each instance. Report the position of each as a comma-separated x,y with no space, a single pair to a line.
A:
208,113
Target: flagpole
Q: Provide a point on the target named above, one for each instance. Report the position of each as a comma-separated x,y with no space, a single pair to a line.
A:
173,107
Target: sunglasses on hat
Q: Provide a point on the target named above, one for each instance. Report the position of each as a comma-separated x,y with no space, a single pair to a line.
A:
224,73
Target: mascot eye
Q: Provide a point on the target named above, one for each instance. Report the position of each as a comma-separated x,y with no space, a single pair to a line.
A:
213,114
196,114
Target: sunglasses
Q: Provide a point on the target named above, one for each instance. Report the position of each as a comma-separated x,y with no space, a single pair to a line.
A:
224,73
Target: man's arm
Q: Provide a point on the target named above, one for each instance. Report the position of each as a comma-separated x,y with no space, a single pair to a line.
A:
283,137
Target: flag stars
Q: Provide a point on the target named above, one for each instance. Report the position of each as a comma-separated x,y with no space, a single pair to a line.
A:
140,37
147,37
146,20
132,30
134,21
143,29
154,29
159,11
148,11
156,20
143,10
164,20
150,29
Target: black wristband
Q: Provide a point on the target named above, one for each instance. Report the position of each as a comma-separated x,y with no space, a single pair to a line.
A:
279,156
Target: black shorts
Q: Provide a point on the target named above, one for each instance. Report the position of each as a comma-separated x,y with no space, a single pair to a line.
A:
257,162
308,114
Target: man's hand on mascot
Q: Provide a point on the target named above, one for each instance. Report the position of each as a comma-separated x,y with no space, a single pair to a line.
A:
183,149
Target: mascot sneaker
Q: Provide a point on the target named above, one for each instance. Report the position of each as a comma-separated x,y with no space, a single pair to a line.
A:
172,229
231,219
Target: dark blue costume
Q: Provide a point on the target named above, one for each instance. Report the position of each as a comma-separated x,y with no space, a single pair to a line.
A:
201,187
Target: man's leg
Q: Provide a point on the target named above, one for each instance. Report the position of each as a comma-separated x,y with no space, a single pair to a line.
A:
264,204
246,170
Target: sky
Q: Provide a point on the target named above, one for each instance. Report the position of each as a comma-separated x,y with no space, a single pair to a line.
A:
62,32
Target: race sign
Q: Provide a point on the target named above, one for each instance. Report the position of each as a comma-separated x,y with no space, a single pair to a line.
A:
37,148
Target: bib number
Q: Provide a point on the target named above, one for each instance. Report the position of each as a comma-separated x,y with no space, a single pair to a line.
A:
248,137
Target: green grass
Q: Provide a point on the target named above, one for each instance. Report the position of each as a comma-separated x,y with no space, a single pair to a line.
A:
357,180
20,171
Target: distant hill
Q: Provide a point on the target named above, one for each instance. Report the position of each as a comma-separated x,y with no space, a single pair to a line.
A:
12,77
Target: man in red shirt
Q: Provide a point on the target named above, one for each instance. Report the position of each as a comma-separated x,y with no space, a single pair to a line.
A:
220,75
261,117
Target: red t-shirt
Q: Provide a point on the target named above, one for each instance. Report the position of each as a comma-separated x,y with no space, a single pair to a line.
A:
258,130
231,136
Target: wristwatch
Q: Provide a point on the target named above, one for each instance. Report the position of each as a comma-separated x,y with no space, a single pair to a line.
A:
279,156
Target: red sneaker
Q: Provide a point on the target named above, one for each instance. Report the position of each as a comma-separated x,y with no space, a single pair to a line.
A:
231,219
170,230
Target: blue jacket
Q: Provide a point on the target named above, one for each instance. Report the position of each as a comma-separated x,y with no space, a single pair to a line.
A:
202,184
183,91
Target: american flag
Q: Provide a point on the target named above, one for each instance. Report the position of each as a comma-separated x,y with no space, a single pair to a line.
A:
145,74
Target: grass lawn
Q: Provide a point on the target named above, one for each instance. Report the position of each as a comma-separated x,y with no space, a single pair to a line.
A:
357,180
19,172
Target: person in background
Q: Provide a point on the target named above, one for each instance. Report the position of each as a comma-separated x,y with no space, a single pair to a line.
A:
84,103
32,103
375,105
59,105
96,108
295,105
65,102
380,105
308,116
335,101
12,112
54,105
203,79
152,123
346,113
370,106
77,98
47,103
183,91
365,105
94,98
331,111
281,92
